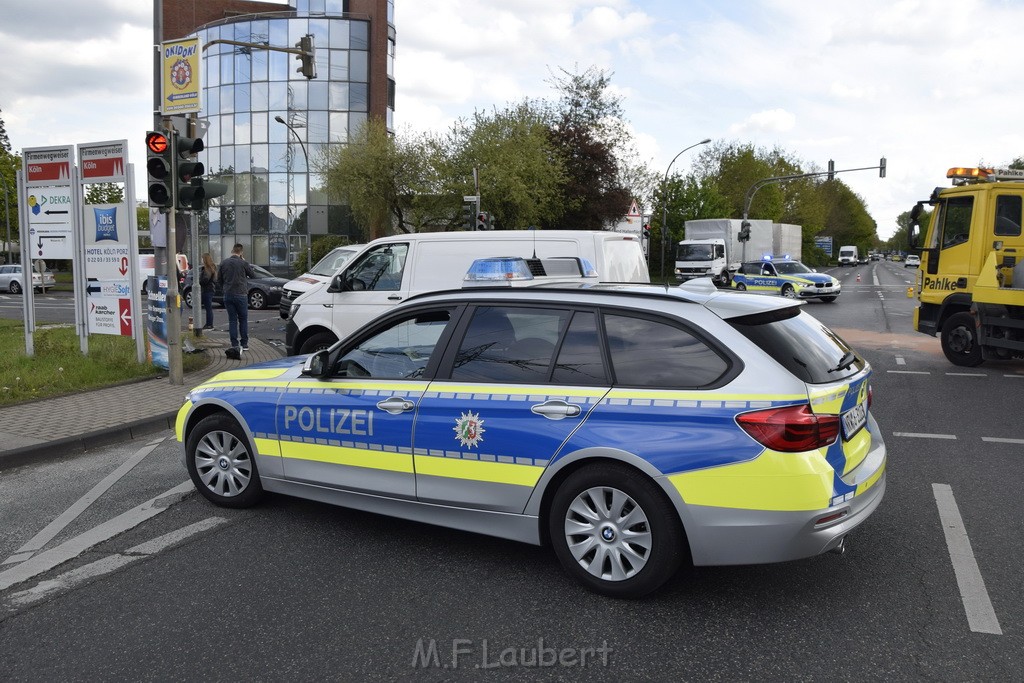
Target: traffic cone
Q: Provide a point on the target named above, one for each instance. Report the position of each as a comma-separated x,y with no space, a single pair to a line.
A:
858,277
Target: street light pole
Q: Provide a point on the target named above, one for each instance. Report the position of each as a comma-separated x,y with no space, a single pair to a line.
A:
7,210
664,200
309,226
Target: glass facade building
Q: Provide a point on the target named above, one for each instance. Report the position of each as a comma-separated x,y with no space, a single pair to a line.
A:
266,127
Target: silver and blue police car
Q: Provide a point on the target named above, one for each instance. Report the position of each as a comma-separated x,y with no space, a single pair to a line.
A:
632,428
791,279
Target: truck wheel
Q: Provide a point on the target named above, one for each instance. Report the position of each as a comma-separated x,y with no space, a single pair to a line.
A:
725,281
960,340
788,291
318,342
614,531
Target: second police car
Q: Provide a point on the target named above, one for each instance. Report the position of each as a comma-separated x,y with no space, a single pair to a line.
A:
631,427
789,278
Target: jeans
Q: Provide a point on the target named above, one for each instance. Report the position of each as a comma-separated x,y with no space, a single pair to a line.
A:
208,304
238,316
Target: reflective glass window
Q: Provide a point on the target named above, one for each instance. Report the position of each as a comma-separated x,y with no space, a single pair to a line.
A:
317,96
340,30
359,35
339,96
339,126
357,66
260,96
359,97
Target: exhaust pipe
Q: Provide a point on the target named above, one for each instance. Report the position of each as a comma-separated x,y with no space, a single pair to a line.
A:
841,548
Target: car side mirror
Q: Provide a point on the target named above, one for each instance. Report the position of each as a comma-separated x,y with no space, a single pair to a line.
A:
338,284
317,364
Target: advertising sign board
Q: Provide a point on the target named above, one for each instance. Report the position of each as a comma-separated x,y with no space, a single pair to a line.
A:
180,67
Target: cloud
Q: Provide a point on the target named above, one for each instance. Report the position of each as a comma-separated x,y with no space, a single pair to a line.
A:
772,121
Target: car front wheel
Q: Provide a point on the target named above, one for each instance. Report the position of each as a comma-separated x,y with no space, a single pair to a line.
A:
789,292
614,531
15,287
221,463
741,287
318,342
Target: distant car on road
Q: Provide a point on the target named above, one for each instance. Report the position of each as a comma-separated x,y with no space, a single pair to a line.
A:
264,290
912,261
12,280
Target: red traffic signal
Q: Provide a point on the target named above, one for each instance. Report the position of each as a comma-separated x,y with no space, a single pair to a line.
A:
157,142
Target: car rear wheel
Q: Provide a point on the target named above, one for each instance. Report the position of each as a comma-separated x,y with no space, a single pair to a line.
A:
257,299
15,287
187,296
960,340
741,287
221,464
788,291
614,531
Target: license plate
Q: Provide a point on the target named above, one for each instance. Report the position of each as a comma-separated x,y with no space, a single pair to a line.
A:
854,419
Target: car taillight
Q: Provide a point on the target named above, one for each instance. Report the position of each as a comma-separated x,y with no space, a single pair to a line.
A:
791,429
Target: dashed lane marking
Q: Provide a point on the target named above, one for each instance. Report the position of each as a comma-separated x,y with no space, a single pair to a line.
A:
996,439
981,617
918,435
908,372
967,374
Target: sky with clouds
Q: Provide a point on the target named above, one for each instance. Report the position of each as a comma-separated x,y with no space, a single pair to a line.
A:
928,84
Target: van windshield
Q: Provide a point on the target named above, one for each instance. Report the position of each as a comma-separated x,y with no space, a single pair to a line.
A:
329,265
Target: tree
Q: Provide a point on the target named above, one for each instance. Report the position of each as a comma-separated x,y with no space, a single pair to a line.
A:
588,130
379,176
104,193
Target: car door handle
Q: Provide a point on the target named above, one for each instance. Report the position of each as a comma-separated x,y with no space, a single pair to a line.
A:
555,410
394,297
396,405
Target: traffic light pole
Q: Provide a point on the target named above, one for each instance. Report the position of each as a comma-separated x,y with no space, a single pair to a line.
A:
172,305
745,224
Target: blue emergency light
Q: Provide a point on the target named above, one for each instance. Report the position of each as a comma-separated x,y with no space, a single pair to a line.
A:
500,269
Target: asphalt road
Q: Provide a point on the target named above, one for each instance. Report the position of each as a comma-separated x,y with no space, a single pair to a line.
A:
928,589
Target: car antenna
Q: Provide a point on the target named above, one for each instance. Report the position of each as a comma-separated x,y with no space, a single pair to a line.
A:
534,229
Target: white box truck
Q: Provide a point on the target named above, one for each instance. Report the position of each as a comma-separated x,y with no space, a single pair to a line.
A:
712,247
391,269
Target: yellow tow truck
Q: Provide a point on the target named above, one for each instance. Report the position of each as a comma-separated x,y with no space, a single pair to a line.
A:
970,283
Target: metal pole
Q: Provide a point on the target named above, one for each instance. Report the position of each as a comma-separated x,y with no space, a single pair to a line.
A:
664,201
309,227
7,210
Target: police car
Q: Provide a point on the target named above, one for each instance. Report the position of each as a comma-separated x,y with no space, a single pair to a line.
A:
789,278
633,428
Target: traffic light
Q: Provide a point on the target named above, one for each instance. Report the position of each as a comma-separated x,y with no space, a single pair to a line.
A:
160,169
831,170
744,233
483,221
467,216
307,60
187,169
881,167
647,231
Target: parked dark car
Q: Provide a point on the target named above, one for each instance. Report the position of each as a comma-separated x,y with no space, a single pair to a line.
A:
264,290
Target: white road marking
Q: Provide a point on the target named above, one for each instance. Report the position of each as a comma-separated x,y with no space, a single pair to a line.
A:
967,374
900,360
996,439
981,618
1017,376
908,372
918,435
74,547
110,563
56,526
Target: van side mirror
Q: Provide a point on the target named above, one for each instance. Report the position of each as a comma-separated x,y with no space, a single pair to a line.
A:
337,284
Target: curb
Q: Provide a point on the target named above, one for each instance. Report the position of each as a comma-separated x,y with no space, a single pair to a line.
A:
80,443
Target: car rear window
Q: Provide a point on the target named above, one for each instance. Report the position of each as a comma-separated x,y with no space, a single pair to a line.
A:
801,344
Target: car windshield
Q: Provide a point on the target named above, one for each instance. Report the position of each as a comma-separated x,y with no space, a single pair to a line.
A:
695,252
791,267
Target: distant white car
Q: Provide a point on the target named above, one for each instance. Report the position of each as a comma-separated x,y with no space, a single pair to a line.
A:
12,280
912,261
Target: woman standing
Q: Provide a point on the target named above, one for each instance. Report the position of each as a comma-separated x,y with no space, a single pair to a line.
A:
207,280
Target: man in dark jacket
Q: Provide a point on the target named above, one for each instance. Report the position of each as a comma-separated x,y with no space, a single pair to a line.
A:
233,276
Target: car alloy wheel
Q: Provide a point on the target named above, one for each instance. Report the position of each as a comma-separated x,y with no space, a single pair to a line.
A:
789,292
614,531
15,287
257,300
220,462
741,287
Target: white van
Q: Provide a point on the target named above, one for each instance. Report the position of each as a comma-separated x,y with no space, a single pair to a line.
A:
848,256
391,269
322,272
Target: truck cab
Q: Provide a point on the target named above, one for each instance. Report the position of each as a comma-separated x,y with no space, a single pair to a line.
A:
702,258
971,278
